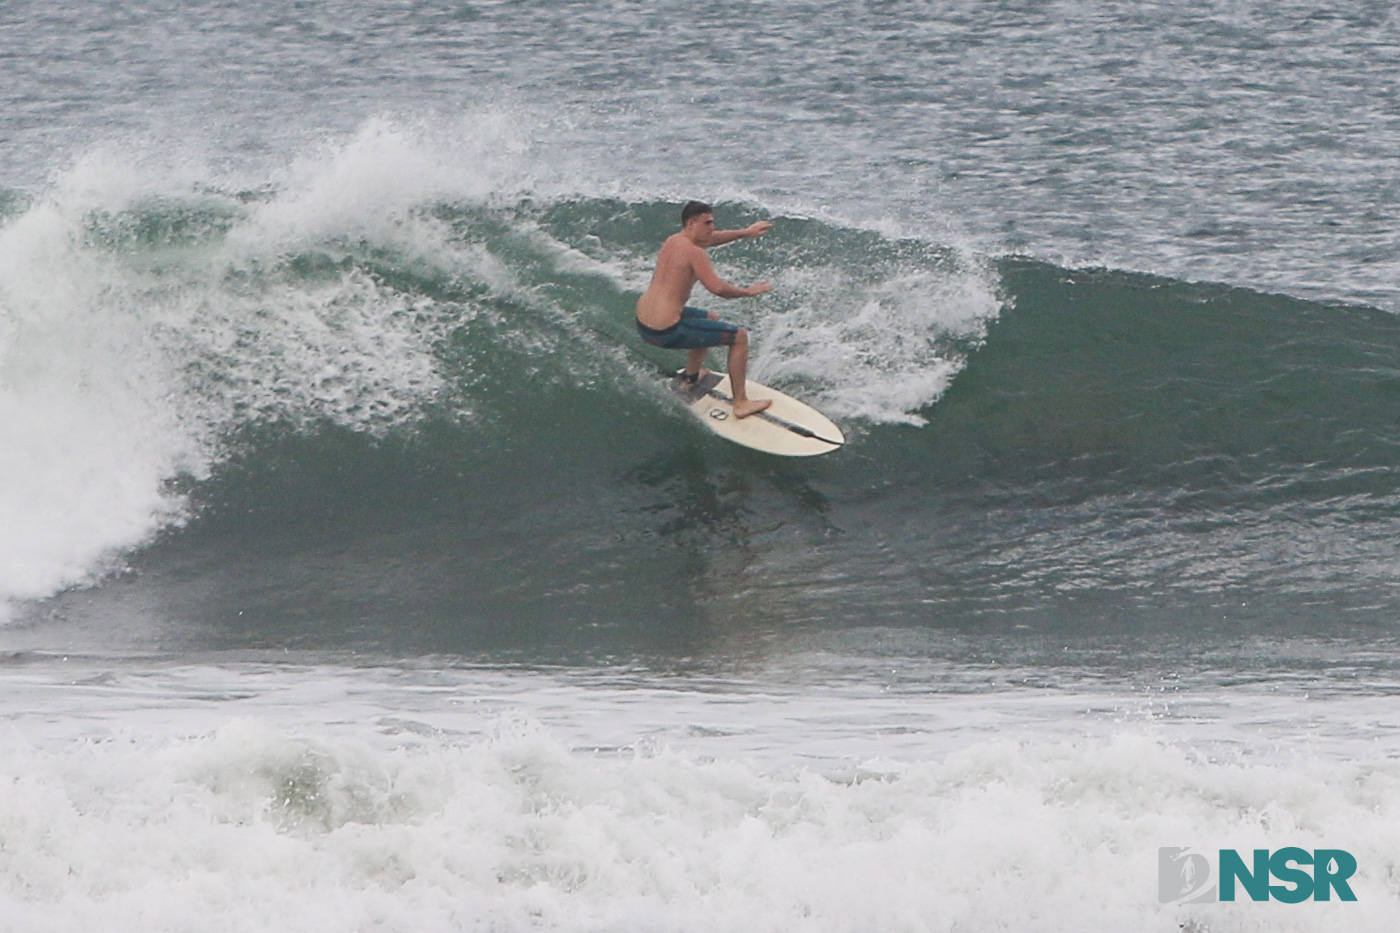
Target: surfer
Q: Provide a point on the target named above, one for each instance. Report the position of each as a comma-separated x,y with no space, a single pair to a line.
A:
663,318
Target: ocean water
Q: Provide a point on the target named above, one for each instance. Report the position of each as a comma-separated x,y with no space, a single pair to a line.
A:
358,573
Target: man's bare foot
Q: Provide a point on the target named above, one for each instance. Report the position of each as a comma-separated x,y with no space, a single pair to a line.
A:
751,406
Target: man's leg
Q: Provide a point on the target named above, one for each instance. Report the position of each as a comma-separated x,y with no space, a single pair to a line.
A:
695,360
738,377
737,338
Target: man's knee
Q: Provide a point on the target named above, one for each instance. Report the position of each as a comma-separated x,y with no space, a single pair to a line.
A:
741,337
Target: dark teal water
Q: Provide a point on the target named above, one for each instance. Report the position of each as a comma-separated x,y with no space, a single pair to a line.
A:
1122,466
316,323
358,572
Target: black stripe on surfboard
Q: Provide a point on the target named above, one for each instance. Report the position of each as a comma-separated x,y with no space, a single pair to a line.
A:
707,387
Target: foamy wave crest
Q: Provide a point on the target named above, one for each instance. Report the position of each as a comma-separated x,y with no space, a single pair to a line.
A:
88,431
877,344
143,313
149,311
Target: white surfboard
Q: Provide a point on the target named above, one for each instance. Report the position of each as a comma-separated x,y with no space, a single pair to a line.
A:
788,428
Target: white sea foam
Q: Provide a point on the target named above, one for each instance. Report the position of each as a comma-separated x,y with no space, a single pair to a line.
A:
881,351
146,310
124,361
86,431
314,799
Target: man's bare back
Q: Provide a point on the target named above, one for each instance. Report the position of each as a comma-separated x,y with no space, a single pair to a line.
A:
681,263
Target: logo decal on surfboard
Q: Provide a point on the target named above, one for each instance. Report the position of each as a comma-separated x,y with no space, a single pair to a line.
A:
788,428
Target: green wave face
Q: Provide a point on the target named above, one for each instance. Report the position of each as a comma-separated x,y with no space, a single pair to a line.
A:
435,430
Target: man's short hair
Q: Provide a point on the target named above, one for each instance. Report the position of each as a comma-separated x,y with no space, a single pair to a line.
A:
694,209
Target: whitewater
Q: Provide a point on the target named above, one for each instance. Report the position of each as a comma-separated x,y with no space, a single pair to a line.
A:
357,572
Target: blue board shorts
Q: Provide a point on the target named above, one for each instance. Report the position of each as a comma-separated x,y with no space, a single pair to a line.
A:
695,329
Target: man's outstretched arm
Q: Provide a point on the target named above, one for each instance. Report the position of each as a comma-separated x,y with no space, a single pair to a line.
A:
705,274
721,237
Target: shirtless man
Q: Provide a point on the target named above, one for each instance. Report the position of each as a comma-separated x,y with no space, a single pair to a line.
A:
663,318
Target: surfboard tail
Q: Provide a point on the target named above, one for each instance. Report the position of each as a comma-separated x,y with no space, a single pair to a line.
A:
788,427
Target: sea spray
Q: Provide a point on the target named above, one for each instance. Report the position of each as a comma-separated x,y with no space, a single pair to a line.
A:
88,433
881,351
150,314
138,328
